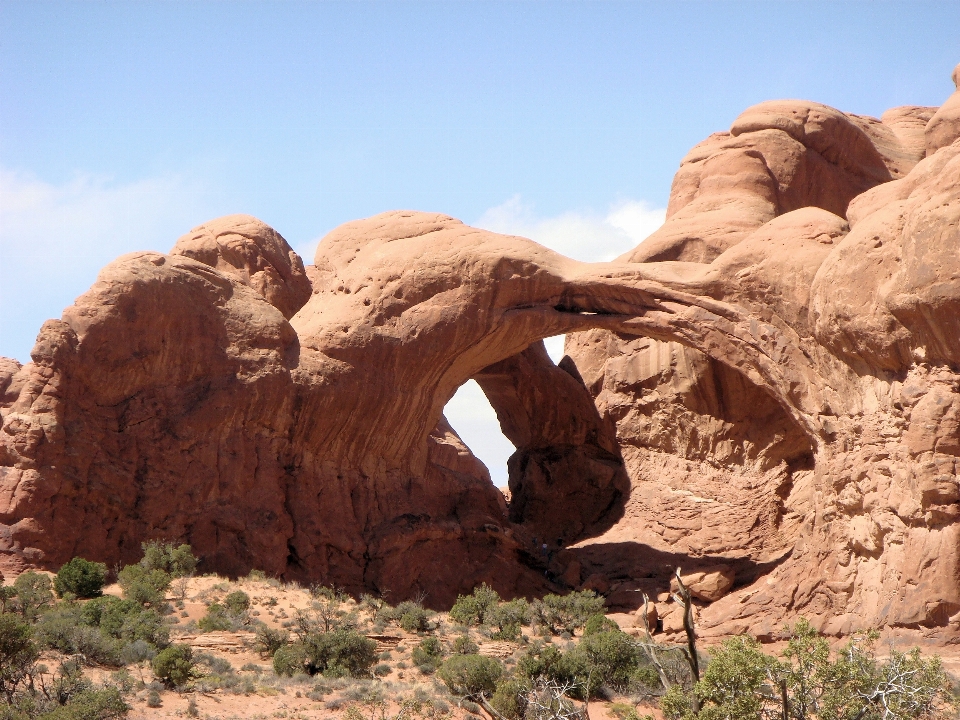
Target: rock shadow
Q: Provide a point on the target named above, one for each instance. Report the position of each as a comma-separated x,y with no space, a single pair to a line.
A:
633,568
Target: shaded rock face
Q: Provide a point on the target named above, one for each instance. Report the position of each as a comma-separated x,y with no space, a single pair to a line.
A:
765,392
567,455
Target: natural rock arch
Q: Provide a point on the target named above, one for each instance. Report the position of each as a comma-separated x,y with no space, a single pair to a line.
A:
203,395
212,418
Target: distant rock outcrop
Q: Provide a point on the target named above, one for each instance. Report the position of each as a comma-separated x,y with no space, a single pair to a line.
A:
765,392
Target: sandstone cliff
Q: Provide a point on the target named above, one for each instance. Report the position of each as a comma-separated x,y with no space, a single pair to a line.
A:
767,389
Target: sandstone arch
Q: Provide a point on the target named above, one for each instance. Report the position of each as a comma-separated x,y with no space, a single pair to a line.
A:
329,412
203,395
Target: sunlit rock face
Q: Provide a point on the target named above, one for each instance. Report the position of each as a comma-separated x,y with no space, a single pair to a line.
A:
766,391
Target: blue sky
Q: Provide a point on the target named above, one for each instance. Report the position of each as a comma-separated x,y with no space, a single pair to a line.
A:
122,125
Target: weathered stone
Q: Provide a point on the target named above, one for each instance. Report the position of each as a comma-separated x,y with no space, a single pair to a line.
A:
598,583
766,389
649,614
709,584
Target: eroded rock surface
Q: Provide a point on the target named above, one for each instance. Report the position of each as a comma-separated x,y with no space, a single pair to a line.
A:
766,393
850,524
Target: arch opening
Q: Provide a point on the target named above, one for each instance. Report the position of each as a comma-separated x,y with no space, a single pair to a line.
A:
473,418
471,415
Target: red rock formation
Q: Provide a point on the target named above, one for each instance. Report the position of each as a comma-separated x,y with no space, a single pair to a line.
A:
766,392
944,127
778,156
567,457
173,400
864,506
255,254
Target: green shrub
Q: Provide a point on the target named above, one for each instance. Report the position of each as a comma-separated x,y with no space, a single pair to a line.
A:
382,670
510,698
599,623
624,711
742,682
125,620
81,577
8,594
142,624
410,615
96,648
291,659
144,586
567,613
18,653
62,628
153,699
33,594
267,640
341,652
416,620
326,592
608,658
137,652
473,609
93,613
463,645
471,675
237,602
173,561
509,632
215,619
508,617
428,655
646,679
732,682
217,665
56,628
174,665
540,661
103,704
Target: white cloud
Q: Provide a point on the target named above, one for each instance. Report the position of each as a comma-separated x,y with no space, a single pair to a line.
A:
591,237
55,238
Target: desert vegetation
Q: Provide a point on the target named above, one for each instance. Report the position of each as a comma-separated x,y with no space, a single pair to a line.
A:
164,639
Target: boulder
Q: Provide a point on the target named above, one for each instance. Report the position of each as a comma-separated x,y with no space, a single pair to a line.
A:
598,583
646,618
255,254
708,584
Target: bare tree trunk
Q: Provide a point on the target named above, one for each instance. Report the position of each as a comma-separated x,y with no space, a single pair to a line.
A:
683,597
649,647
494,715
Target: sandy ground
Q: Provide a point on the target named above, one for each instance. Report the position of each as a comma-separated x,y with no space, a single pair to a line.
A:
254,691
257,692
